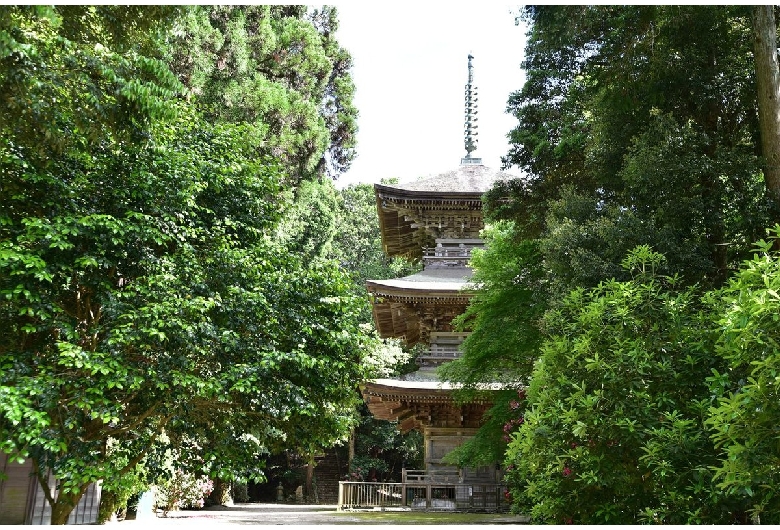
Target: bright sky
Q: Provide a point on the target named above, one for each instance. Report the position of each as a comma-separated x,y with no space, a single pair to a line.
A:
410,71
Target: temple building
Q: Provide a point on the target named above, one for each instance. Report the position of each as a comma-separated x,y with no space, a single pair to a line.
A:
436,221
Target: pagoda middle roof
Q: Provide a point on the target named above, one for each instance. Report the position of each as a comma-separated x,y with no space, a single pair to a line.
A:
445,281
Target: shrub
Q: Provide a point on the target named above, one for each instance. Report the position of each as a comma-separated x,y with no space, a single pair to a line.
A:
182,490
614,426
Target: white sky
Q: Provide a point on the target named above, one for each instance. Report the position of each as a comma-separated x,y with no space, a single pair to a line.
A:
410,70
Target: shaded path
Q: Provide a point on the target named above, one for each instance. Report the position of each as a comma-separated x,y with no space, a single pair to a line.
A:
294,514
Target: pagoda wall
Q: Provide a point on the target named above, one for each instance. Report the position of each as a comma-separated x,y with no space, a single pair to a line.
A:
439,441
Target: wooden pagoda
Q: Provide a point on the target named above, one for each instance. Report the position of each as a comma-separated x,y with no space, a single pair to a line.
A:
438,221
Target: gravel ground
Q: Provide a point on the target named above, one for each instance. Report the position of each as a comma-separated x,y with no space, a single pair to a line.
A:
291,514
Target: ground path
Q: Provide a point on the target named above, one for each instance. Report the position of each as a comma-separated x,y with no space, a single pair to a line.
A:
295,514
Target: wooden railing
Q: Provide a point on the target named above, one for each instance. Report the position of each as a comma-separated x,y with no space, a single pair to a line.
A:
454,253
439,477
422,496
444,347
438,355
446,252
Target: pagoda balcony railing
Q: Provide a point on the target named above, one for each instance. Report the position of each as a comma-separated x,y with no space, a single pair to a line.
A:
422,495
442,476
438,355
450,253
447,252
441,257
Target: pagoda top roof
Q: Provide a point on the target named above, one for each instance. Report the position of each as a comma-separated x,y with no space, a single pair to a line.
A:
448,205
465,180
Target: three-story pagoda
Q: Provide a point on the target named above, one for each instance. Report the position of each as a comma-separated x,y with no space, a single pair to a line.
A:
438,221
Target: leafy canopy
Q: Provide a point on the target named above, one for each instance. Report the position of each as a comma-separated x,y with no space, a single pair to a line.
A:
147,304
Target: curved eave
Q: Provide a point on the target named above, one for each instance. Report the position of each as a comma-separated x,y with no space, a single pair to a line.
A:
399,389
451,281
422,293
406,402
445,197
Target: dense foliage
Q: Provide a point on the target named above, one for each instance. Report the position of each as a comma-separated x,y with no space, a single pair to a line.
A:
654,402
146,303
744,420
614,430
652,391
279,68
382,451
637,125
503,316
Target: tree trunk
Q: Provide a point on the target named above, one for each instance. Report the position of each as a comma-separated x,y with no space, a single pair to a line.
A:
308,488
64,505
221,494
768,86
351,449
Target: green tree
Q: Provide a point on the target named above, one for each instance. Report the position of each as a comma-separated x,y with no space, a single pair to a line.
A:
380,449
74,75
503,314
146,303
309,224
357,242
279,67
614,425
503,318
647,113
636,126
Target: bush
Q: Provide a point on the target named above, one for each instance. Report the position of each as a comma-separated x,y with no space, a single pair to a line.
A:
614,427
182,490
240,492
745,420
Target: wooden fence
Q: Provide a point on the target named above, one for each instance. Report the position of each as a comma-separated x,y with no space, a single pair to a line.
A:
422,496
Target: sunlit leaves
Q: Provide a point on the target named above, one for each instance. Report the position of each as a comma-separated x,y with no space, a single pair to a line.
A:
744,420
144,298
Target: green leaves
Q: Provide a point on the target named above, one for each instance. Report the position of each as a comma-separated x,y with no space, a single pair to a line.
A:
145,301
744,418
619,401
663,397
278,68
631,135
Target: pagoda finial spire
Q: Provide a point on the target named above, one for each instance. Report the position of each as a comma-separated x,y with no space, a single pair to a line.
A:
471,117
